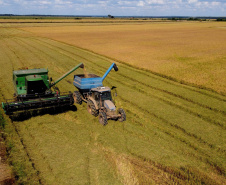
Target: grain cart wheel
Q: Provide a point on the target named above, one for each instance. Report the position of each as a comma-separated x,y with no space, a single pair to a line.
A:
122,115
103,118
77,97
91,108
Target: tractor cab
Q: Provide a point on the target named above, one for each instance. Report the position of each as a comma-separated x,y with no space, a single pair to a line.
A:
101,93
103,98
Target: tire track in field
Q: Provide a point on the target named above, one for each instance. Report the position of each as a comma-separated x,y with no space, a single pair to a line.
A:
42,58
195,148
150,87
179,176
25,45
151,171
27,153
29,49
16,129
65,131
166,101
50,56
174,82
207,159
202,156
47,164
180,128
200,140
148,166
8,66
155,168
142,83
7,45
173,104
103,69
151,74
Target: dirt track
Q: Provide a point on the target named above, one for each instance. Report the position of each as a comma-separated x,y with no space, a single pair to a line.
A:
6,176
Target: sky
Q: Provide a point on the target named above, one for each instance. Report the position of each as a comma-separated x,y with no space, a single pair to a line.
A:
115,7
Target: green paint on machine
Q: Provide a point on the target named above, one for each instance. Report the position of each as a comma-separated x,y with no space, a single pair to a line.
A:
33,91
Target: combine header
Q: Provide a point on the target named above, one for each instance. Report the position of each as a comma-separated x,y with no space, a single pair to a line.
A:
33,90
98,98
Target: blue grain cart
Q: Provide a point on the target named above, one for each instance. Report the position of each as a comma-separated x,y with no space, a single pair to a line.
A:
98,98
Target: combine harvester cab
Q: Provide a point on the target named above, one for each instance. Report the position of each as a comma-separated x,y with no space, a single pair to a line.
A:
98,98
33,90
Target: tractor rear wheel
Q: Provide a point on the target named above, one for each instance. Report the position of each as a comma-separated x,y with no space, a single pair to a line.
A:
103,118
77,97
122,115
91,108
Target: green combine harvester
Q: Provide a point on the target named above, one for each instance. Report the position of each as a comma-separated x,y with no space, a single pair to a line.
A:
33,90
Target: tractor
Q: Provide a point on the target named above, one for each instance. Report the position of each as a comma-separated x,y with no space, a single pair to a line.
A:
98,98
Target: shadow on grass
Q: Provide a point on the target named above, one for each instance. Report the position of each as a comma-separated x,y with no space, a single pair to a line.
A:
25,115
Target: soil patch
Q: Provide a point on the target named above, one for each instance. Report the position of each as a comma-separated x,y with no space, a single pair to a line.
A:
6,176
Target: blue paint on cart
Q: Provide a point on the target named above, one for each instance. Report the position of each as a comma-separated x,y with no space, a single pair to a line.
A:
86,84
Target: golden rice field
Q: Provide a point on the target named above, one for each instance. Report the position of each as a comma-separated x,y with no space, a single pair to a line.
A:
192,52
174,132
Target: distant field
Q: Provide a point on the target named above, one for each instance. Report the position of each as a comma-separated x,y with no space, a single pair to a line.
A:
174,133
192,52
75,20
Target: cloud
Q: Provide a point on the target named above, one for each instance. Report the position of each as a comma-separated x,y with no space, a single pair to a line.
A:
192,1
215,3
140,3
155,1
116,7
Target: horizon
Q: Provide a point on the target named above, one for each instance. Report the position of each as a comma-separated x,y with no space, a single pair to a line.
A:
106,16
143,8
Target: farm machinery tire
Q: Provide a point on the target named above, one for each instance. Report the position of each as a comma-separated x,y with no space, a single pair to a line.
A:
77,97
103,118
122,115
91,108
